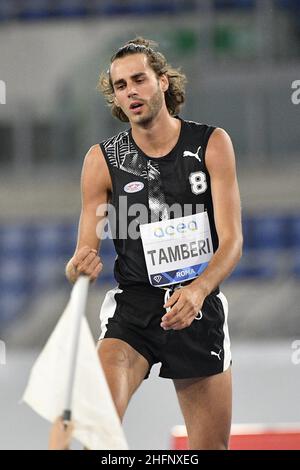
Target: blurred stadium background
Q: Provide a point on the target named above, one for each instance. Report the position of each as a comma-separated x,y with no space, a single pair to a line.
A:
241,58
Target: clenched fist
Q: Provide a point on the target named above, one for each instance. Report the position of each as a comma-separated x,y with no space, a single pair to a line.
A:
85,261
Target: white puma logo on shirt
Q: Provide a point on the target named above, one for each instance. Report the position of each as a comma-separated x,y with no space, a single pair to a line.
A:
187,153
213,353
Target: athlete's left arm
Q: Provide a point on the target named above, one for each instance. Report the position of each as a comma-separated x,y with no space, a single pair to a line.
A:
220,162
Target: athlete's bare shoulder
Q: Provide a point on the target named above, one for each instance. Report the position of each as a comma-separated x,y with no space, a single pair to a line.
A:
218,139
219,152
95,168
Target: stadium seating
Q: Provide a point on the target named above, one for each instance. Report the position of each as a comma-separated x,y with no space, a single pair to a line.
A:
46,9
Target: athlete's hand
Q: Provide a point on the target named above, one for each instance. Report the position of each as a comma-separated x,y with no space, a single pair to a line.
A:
86,261
186,302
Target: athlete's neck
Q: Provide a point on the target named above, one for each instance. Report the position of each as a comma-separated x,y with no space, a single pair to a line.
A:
157,139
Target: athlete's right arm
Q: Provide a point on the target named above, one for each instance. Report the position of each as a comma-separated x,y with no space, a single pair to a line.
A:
95,191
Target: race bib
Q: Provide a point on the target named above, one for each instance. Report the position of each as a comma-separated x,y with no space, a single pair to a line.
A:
176,250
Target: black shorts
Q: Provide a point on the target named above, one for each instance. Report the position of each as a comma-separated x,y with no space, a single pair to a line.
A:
133,314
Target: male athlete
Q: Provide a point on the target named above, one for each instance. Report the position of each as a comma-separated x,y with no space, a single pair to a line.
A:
167,306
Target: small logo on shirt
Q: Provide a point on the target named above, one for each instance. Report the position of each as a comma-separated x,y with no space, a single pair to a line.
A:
199,316
133,187
213,353
187,153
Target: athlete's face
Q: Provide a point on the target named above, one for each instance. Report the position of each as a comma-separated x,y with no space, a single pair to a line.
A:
138,91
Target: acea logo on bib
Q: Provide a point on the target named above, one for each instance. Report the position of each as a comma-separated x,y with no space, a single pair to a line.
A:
133,187
175,229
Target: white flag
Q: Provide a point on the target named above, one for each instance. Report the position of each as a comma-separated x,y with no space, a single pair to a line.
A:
96,423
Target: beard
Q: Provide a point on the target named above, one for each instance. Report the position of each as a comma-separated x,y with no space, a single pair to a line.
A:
154,106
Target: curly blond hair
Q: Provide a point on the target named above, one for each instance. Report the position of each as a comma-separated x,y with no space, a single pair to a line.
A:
174,96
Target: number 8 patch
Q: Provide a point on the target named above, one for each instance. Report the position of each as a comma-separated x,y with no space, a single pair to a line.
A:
198,182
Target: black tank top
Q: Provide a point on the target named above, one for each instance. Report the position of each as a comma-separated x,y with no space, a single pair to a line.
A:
179,177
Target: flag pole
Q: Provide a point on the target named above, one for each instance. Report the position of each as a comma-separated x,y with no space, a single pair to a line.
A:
78,304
